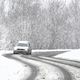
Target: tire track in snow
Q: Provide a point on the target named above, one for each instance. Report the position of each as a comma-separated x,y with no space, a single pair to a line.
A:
67,75
73,67
46,71
34,70
68,62
63,61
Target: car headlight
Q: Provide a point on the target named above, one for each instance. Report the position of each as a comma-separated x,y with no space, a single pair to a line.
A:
15,48
27,49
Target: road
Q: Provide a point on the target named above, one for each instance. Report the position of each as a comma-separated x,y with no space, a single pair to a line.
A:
41,65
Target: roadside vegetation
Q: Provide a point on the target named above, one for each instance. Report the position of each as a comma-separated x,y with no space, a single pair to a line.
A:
50,24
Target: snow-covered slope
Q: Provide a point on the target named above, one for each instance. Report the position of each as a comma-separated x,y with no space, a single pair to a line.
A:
13,70
71,55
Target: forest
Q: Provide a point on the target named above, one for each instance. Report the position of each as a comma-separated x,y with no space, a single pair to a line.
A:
47,24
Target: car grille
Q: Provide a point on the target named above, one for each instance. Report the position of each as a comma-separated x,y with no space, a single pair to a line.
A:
20,49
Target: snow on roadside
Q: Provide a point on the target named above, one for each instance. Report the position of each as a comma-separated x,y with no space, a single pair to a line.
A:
46,71
71,55
6,52
13,70
50,50
75,72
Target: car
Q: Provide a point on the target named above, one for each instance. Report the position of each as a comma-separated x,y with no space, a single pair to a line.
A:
23,47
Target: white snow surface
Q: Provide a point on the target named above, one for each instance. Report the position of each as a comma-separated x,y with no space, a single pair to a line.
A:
50,50
13,70
45,71
71,55
74,71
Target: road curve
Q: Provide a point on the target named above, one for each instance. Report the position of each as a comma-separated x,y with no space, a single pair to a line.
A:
62,61
72,66
34,69
67,75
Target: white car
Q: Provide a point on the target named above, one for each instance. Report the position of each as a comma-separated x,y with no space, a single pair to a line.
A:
22,47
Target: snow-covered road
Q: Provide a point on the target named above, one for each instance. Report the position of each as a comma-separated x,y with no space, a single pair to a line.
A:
65,75
44,70
73,67
24,67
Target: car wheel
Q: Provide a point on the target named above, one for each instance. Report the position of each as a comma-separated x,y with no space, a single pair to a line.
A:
14,52
30,53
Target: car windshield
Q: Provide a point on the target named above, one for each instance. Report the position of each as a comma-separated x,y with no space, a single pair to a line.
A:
22,44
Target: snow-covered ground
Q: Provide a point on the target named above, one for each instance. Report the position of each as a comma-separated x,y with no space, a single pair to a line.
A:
50,50
13,70
45,71
70,55
74,71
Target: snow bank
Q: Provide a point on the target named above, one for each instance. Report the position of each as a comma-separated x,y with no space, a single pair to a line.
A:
37,50
13,70
5,52
71,55
50,50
